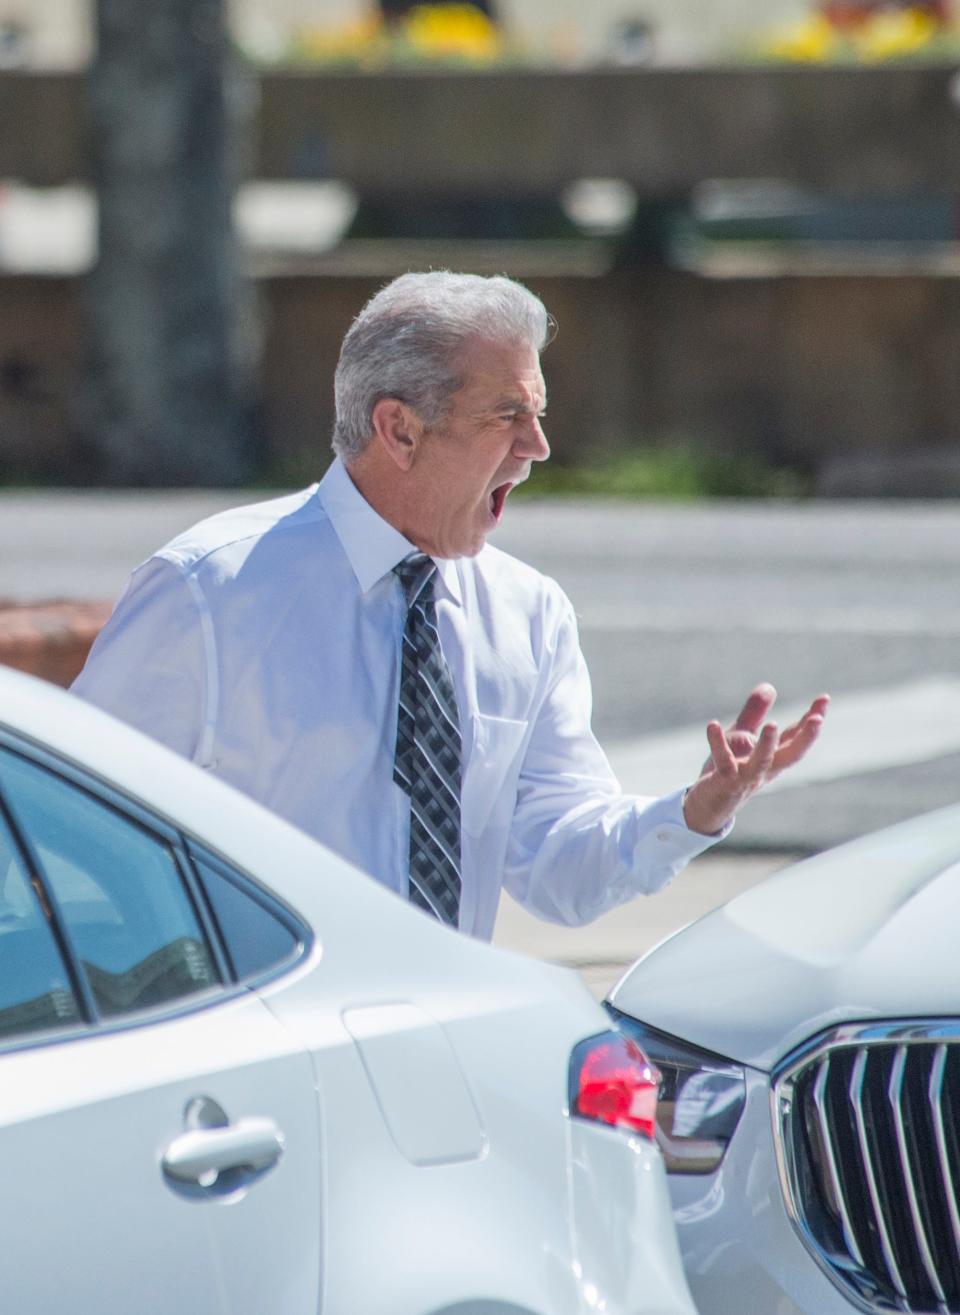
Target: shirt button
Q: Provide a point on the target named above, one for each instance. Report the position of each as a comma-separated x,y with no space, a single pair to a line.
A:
663,835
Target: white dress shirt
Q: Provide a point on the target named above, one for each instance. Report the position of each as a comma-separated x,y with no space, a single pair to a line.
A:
265,643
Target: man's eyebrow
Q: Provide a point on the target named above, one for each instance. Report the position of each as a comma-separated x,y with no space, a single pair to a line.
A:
517,403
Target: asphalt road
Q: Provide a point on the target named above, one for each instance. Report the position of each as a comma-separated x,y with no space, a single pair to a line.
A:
682,609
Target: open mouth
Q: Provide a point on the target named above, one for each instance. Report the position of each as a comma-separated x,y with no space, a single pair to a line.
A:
497,498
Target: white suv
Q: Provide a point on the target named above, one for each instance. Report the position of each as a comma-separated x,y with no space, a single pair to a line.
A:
808,1037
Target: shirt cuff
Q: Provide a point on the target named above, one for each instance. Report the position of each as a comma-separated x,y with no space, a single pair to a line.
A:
669,844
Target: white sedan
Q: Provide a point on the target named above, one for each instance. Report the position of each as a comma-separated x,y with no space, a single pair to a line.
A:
808,1034
237,1076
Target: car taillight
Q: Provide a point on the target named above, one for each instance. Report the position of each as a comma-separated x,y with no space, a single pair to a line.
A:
702,1096
612,1081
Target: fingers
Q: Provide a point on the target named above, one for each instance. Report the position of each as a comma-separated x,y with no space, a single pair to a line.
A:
744,758
760,762
724,760
793,749
741,743
756,709
727,781
754,750
736,756
817,710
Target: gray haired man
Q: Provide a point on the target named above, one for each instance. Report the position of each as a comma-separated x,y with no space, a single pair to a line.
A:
360,660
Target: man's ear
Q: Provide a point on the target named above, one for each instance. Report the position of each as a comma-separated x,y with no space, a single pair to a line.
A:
397,430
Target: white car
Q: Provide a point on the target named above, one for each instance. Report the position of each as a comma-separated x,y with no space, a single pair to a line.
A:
237,1076
808,1034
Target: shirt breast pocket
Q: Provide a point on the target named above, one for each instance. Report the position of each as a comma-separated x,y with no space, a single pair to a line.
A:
492,771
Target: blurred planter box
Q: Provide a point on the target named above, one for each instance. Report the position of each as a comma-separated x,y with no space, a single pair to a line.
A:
529,132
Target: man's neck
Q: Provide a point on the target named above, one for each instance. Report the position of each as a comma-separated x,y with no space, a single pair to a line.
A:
384,487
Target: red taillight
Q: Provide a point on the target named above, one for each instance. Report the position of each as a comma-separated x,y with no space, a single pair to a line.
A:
612,1081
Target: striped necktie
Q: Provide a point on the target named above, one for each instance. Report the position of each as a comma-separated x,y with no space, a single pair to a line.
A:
427,762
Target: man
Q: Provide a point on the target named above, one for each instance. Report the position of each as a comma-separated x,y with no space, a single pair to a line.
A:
358,659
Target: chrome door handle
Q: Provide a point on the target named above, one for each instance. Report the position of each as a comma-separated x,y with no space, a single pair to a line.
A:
246,1148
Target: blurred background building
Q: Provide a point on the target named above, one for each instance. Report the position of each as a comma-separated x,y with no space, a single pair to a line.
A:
744,215
58,33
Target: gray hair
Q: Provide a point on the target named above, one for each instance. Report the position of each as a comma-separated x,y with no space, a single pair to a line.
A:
407,340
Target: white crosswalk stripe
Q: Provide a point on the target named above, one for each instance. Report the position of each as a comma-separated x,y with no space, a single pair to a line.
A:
866,731
623,617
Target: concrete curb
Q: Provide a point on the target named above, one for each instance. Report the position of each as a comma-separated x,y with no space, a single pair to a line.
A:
49,639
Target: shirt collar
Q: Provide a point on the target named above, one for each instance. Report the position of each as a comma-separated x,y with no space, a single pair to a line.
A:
373,547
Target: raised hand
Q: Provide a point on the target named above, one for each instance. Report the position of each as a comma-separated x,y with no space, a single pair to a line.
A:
745,756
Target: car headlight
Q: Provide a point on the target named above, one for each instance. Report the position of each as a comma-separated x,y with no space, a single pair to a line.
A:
701,1097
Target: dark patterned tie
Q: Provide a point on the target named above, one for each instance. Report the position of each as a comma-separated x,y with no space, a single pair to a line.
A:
427,763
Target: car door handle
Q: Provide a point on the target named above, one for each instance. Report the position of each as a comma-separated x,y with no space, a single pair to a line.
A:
250,1146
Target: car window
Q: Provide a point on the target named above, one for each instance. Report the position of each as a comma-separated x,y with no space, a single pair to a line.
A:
35,991
257,938
118,889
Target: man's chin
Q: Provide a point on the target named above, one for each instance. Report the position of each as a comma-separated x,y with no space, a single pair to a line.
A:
469,541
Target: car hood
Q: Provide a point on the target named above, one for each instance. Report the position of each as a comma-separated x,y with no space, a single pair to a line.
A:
866,931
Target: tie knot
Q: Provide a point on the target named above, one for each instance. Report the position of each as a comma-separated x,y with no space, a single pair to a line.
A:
416,576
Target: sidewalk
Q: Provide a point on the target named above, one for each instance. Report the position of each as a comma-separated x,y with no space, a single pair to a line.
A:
604,949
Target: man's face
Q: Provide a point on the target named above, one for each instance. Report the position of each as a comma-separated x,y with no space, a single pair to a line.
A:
467,466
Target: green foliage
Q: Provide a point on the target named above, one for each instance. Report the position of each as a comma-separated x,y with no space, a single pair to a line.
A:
679,474
673,474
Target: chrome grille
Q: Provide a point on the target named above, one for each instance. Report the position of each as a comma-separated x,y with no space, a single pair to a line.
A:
868,1139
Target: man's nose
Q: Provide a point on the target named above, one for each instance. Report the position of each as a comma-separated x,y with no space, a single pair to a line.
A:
532,443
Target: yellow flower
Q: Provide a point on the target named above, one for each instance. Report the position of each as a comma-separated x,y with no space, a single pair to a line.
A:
894,33
813,40
460,31
428,32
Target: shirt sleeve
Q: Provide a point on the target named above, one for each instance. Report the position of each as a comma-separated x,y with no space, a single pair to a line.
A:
148,665
579,846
